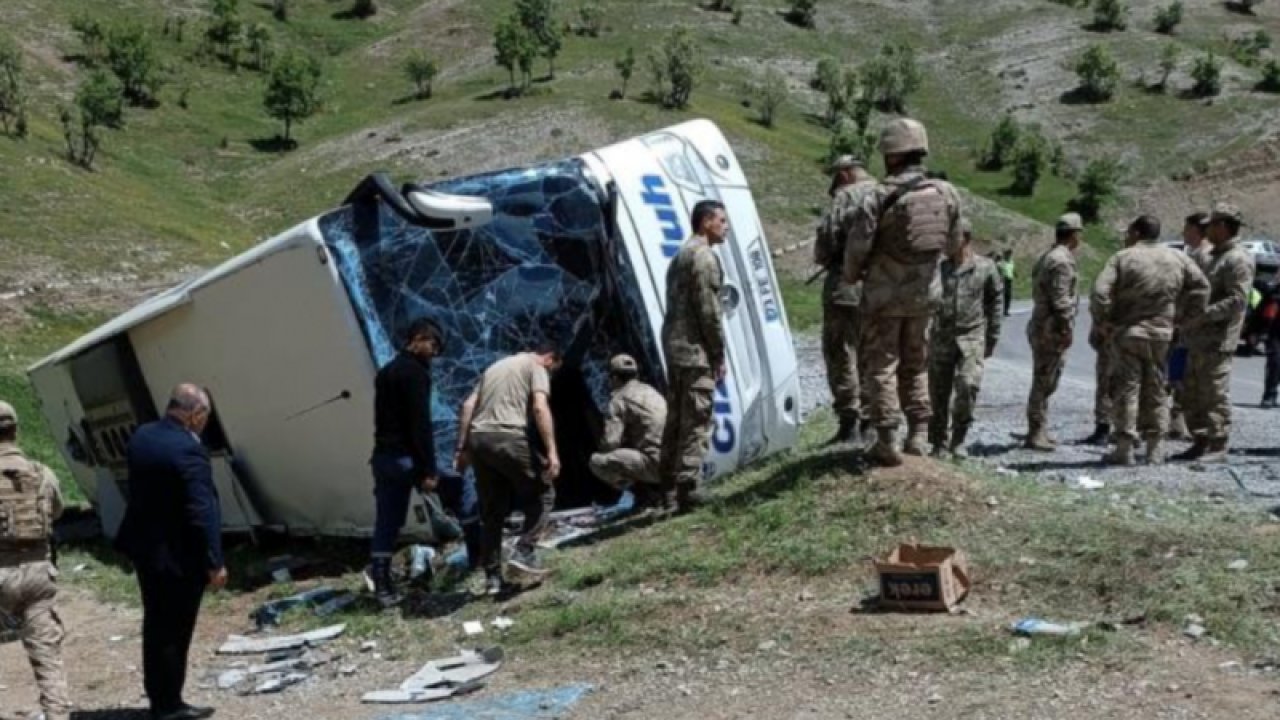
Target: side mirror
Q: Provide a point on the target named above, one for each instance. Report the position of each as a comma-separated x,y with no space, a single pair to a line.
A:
455,212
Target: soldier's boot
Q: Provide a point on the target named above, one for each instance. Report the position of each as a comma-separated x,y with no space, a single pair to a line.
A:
1122,454
958,436
917,440
885,450
1038,440
1215,452
1101,433
1178,427
688,499
847,432
866,433
1155,450
1196,451
940,451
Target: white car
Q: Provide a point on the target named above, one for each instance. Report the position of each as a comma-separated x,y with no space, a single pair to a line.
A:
288,336
1266,255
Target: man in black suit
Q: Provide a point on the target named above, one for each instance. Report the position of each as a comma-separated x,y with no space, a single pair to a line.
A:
172,531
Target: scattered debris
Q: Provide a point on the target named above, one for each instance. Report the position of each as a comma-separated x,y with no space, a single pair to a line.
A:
548,703
275,682
569,526
767,645
1238,565
79,568
503,623
473,627
1029,627
368,646
324,600
281,567
1194,628
920,577
1006,472
443,679
241,645
993,501
232,678
1084,482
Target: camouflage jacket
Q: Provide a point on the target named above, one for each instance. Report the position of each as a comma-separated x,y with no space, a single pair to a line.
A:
1053,290
971,305
50,495
1230,273
693,329
876,250
1146,290
637,416
828,246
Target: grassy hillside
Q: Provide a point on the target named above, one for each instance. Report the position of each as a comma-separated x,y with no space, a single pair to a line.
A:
181,187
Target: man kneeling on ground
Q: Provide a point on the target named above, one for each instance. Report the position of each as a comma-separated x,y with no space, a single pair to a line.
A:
632,444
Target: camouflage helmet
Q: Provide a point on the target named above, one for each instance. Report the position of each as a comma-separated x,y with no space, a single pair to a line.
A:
1226,211
904,135
8,416
623,364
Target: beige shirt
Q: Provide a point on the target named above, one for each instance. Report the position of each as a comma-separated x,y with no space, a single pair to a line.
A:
505,392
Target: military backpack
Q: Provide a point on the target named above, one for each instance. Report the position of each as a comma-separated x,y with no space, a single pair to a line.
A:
24,512
915,222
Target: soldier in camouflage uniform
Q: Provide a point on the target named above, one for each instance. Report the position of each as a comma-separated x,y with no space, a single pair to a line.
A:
1104,385
632,444
1052,326
30,501
693,342
1212,337
1194,244
1138,299
965,331
841,326
894,241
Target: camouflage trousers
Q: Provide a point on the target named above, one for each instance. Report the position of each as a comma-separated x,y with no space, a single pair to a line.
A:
955,376
1206,394
28,593
1104,387
895,362
1047,361
624,467
687,434
840,333
1140,393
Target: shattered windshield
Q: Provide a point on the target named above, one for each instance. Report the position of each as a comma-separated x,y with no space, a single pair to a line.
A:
546,268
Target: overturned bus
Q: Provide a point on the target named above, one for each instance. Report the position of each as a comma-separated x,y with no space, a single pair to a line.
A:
287,337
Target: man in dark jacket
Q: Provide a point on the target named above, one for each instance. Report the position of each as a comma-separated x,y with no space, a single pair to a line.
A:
172,531
404,455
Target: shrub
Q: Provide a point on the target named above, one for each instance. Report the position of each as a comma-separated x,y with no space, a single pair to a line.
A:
1207,76
675,66
133,57
804,13
13,97
421,71
590,19
1029,160
626,67
99,103
515,49
892,77
293,91
1270,76
1168,64
850,139
999,150
1096,188
1168,18
93,36
1099,74
769,95
1109,15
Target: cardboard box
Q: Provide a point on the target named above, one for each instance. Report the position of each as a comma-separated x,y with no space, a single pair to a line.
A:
921,577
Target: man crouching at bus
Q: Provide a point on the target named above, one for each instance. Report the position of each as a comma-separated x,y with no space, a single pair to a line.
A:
632,444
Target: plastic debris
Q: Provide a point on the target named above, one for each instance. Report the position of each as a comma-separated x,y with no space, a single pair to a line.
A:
543,703
442,679
241,645
503,623
231,678
325,601
368,646
275,682
1035,626
1084,482
473,627
420,557
1238,565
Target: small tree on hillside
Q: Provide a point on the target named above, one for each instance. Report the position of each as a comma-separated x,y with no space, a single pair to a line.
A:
293,91
225,26
1109,15
1099,74
1168,18
99,104
676,65
849,138
825,74
769,95
93,36
421,70
804,13
626,67
1030,158
13,96
1096,188
1207,76
132,56
258,39
590,19
364,9
514,49
999,150
843,89
892,77
280,10
539,18
1270,76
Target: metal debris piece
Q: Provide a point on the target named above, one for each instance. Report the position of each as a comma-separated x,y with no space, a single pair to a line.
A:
275,682
473,627
503,623
241,645
443,678
231,678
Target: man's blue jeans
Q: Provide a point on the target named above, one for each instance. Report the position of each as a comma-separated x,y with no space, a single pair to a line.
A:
393,482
